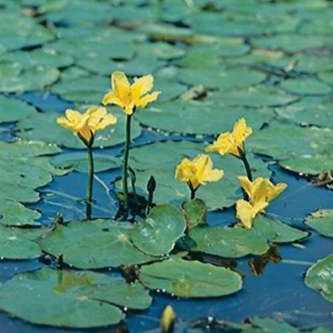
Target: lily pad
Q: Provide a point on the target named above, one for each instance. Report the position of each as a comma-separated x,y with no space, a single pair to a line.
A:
321,221
94,244
306,86
19,244
59,298
78,161
189,279
320,277
258,96
14,110
43,127
14,79
187,117
158,234
195,212
228,242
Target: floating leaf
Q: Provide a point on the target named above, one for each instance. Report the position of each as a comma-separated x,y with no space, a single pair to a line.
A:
94,244
59,298
190,278
158,234
321,221
320,277
305,86
195,212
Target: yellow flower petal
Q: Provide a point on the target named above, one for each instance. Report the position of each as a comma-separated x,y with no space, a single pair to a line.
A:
111,98
120,85
144,101
142,86
241,131
168,319
245,213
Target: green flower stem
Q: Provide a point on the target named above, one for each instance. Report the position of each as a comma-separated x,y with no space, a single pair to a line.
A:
192,191
89,201
125,161
246,166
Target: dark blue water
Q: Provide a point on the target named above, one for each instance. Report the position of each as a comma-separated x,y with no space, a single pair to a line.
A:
279,292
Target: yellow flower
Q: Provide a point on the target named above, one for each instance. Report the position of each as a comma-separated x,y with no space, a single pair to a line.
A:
86,124
198,171
128,96
260,192
231,142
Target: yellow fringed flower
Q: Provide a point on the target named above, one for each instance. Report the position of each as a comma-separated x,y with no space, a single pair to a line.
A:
130,96
168,319
231,142
198,171
86,124
260,192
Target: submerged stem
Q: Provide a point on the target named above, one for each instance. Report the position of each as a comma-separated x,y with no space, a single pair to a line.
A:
125,160
90,182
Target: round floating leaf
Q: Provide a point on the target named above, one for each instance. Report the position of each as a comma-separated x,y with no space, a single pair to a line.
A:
59,298
79,161
195,212
118,292
13,79
309,111
321,221
228,242
302,141
38,57
308,164
224,80
190,278
18,243
257,96
276,231
17,31
270,325
294,42
96,244
320,277
187,117
326,77
14,110
44,127
158,234
161,158
305,86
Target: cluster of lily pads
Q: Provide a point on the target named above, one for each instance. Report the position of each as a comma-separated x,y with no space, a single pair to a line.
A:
216,64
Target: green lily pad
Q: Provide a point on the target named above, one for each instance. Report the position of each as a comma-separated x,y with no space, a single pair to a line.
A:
294,42
321,221
224,80
14,79
327,77
309,164
274,230
160,160
78,161
24,168
189,279
302,141
187,117
44,127
14,110
97,244
158,234
258,96
38,57
59,298
17,31
305,86
320,277
19,244
228,242
272,326
133,296
195,212
309,111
